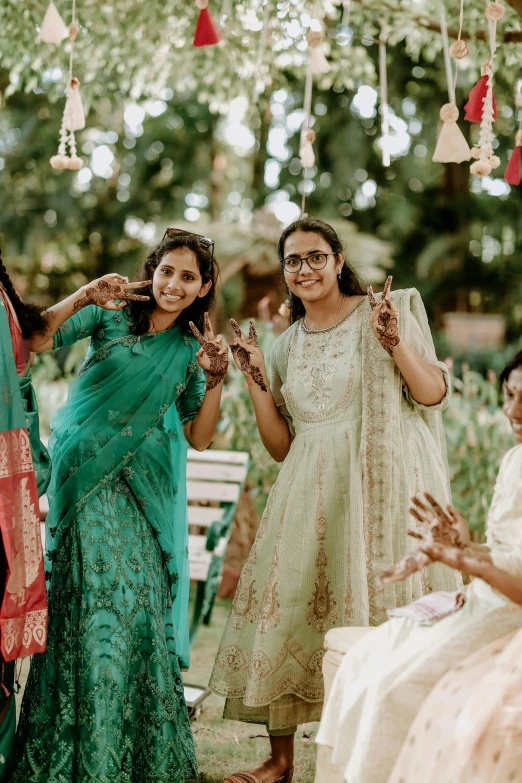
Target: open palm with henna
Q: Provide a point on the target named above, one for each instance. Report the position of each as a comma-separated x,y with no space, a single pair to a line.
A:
105,292
213,355
384,319
439,528
247,354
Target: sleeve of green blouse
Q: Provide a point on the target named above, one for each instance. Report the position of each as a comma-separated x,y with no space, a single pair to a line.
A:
190,396
82,324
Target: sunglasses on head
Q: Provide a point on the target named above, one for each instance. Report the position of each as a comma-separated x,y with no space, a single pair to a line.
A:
203,241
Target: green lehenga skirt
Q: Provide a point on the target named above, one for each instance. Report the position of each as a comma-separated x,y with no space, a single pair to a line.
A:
105,703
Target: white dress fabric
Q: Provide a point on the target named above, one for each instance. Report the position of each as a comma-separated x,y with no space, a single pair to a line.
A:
383,681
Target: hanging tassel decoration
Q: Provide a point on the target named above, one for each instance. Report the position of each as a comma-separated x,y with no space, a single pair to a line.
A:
73,118
485,159
75,115
512,173
306,150
318,62
451,147
475,104
53,29
207,32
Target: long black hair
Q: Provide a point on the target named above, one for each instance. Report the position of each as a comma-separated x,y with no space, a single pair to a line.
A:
514,364
31,317
140,313
349,283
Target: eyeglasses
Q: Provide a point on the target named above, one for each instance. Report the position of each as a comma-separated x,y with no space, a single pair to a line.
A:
293,264
203,241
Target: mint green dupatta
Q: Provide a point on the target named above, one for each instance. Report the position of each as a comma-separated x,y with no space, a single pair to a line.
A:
122,423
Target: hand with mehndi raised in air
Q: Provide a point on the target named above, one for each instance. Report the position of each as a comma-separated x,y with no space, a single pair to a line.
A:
440,529
213,355
107,289
247,354
384,319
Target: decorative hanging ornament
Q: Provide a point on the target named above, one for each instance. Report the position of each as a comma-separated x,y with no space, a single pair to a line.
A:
451,147
53,29
306,151
73,119
318,62
475,104
486,160
512,173
207,32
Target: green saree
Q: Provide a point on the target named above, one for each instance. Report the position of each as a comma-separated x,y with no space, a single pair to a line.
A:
105,704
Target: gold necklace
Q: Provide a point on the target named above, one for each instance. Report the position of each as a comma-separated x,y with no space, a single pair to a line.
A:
330,330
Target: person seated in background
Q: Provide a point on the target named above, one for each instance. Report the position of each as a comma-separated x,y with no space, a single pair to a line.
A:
469,729
387,675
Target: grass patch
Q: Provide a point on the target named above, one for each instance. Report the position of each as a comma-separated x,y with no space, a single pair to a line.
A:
226,746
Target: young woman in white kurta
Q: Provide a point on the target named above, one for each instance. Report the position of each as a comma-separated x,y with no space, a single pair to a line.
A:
384,679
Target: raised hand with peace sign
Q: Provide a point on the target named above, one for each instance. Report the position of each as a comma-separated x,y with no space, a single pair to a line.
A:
384,319
247,354
213,355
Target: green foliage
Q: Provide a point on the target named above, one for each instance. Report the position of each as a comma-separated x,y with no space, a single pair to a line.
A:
478,436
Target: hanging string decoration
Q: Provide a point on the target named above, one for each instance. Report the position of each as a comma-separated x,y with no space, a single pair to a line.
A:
451,147
259,82
512,173
485,159
383,79
53,29
207,32
306,150
73,118
318,62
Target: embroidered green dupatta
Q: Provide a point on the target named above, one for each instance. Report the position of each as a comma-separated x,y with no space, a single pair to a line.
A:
120,422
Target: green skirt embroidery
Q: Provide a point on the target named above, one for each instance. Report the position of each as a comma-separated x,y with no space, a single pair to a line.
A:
105,703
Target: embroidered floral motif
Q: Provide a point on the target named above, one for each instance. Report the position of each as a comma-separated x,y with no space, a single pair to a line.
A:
112,415
126,432
322,608
180,388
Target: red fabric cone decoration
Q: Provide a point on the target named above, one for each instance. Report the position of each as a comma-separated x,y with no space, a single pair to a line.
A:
207,32
475,105
512,174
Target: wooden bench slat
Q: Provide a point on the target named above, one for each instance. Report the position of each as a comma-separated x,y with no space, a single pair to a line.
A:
217,455
213,491
199,558
216,472
203,516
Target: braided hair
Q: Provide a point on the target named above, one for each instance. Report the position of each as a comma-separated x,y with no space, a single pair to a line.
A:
31,317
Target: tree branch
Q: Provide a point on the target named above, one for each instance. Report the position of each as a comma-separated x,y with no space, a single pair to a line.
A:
510,36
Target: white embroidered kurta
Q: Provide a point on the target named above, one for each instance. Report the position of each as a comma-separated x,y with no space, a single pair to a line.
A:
383,681
336,516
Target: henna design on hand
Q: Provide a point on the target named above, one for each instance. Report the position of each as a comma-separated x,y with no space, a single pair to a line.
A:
243,355
388,330
387,321
217,355
102,292
439,531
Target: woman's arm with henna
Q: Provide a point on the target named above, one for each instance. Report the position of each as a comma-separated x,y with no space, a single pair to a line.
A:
272,427
101,292
424,380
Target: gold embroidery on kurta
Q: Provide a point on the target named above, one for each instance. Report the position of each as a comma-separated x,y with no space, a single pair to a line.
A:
322,608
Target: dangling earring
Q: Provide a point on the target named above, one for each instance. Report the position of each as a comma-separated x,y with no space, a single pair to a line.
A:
340,273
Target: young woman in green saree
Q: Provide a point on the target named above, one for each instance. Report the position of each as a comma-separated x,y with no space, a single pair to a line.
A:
105,703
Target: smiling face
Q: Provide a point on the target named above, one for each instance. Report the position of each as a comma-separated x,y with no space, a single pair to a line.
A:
177,282
312,284
513,402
